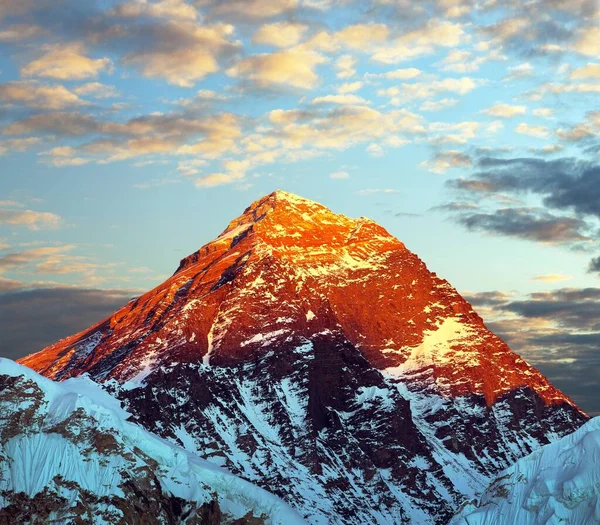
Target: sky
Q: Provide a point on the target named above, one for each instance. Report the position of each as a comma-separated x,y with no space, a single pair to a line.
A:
132,132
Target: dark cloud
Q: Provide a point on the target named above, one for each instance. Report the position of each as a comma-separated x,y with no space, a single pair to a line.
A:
595,265
542,27
455,206
493,298
527,223
31,320
564,184
577,309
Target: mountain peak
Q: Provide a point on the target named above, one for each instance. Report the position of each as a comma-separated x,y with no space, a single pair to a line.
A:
297,255
326,360
296,229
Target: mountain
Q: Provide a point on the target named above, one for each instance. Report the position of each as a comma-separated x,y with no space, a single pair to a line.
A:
68,455
316,356
559,483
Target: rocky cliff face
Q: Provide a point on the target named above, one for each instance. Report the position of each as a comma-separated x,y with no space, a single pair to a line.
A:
68,455
316,356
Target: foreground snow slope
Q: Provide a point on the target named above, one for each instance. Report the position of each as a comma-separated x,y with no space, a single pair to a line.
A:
559,483
68,455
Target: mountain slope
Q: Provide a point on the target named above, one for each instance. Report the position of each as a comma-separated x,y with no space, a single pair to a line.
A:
316,356
68,455
559,483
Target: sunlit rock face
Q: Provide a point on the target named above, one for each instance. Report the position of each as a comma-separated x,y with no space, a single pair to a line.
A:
316,356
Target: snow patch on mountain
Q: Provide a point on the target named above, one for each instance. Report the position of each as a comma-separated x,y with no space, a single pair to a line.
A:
558,483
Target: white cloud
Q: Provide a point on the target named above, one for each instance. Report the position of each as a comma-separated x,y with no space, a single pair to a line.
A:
35,95
339,175
445,160
293,67
504,110
345,66
552,278
280,34
66,62
533,131
33,220
438,105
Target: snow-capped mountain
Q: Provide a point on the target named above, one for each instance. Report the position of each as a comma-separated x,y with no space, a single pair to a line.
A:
559,483
316,356
68,455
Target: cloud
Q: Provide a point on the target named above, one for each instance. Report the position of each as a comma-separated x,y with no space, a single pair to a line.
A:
163,9
552,278
176,133
32,319
40,96
399,95
60,123
374,150
453,132
455,206
338,128
96,90
526,223
583,131
339,175
587,71
280,34
540,132
588,41
57,260
425,40
493,298
292,67
185,52
372,191
542,112
573,308
18,32
19,260
403,74
549,149
17,145
362,36
66,62
345,66
565,184
33,220
557,88
346,99
519,71
445,160
594,266
248,9
504,110
349,87
438,105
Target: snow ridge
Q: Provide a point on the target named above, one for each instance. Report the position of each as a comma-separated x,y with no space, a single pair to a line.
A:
558,483
78,439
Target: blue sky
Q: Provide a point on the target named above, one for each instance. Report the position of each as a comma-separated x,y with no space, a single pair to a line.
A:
132,132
